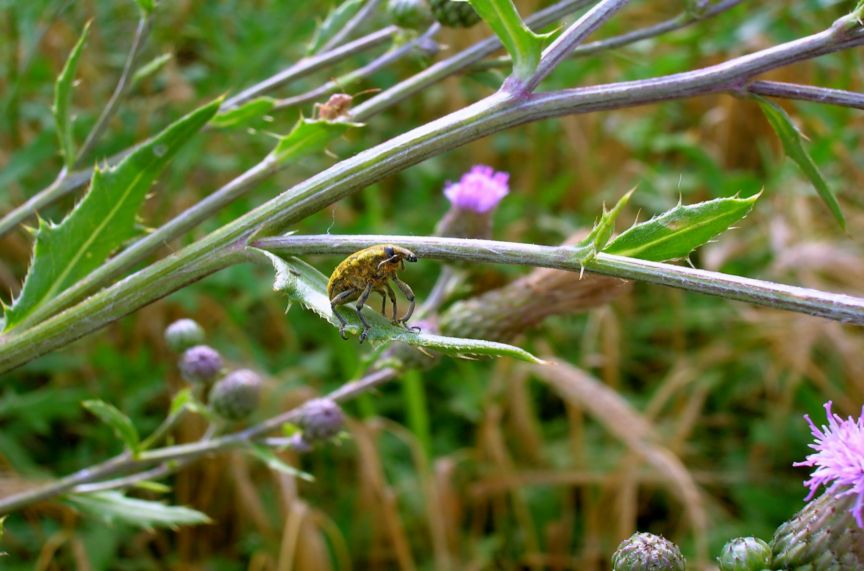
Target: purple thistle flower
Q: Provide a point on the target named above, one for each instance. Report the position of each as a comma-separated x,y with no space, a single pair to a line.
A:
479,190
839,459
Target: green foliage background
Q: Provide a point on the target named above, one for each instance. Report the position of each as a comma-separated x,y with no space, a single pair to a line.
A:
528,478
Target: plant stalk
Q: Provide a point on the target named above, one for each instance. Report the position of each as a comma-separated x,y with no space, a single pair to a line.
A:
490,115
838,307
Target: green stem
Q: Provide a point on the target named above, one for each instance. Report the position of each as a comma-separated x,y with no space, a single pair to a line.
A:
123,85
632,37
564,45
492,114
147,245
416,409
183,453
67,183
425,43
309,65
839,307
364,14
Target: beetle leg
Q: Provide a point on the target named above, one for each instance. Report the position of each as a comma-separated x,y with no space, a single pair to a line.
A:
383,295
339,299
360,302
392,295
409,295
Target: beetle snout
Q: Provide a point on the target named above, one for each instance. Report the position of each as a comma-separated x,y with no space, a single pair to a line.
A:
411,258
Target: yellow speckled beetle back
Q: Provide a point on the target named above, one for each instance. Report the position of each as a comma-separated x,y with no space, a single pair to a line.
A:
363,272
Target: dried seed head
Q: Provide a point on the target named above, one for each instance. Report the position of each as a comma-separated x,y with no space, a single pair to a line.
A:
503,313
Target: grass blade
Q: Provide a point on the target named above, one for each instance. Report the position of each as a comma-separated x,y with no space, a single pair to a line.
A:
794,147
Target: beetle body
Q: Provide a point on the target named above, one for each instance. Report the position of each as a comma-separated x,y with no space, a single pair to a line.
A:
336,106
370,270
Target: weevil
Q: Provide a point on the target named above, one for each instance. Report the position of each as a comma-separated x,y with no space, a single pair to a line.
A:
361,273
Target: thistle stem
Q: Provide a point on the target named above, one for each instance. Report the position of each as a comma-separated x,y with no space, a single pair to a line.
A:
838,307
492,114
123,85
564,45
180,454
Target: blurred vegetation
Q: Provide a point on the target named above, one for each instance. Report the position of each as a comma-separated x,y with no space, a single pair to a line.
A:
507,474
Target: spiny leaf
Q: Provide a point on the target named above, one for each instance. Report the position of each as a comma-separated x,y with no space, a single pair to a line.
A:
677,232
604,227
103,220
244,113
794,147
180,401
523,45
119,422
151,67
151,486
335,21
308,286
63,97
267,456
115,507
309,136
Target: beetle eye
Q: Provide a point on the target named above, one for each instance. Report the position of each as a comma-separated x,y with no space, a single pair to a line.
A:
389,251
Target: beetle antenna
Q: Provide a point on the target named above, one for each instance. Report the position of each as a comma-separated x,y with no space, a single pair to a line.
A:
387,261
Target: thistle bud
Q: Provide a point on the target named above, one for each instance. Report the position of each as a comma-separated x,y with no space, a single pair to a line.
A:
647,552
182,334
454,14
320,419
827,534
745,554
200,364
472,202
236,396
410,14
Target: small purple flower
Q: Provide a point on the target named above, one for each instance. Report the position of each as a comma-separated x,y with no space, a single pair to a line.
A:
479,190
839,459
